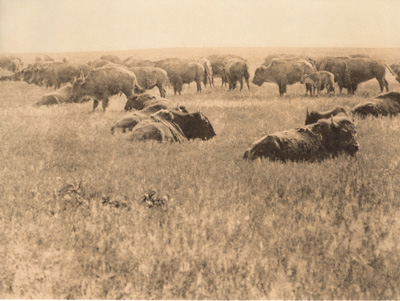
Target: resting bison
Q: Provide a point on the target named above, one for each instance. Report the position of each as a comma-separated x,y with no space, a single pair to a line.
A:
62,95
158,127
139,102
338,68
318,80
363,69
150,77
44,57
282,72
387,104
317,141
111,58
236,70
177,127
131,120
314,116
180,73
101,83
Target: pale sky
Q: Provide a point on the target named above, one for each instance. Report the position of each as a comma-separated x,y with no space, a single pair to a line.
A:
93,25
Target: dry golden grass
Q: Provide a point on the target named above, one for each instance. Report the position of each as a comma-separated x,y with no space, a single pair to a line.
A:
72,224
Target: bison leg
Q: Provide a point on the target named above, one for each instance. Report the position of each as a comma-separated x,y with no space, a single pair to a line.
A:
198,83
95,104
282,89
241,84
383,83
247,82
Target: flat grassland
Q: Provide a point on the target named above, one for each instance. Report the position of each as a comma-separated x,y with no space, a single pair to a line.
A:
72,224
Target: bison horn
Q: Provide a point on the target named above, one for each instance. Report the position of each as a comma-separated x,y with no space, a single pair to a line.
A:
334,124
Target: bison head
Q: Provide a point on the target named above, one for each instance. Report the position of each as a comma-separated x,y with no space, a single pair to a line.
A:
79,89
259,76
339,134
198,127
303,79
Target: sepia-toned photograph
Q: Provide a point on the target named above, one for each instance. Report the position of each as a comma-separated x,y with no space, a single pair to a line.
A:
200,149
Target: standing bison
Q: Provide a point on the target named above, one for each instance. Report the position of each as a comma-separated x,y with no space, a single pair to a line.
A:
218,65
314,142
104,82
363,69
208,72
111,58
130,62
181,72
282,72
235,71
318,80
150,77
338,67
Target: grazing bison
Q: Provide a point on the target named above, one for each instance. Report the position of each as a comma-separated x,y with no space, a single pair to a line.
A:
158,127
363,69
236,70
99,63
282,72
318,80
131,120
15,65
11,63
338,67
314,142
387,104
314,116
150,77
111,58
180,73
208,72
101,83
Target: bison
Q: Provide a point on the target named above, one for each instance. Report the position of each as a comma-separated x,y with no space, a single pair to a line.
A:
314,116
387,104
363,69
236,70
139,102
99,63
338,68
208,72
130,62
318,80
101,83
218,65
44,57
150,77
131,120
282,72
180,73
314,142
111,58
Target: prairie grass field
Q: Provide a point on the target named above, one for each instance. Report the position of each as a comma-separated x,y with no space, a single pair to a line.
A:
73,226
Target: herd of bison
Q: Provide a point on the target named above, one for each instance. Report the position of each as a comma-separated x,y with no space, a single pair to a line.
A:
325,134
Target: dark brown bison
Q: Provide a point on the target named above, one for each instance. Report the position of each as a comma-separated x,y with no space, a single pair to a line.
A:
111,58
218,65
235,71
387,104
282,72
99,63
314,142
363,69
180,73
159,127
190,126
314,116
319,80
150,77
129,121
101,83
338,67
